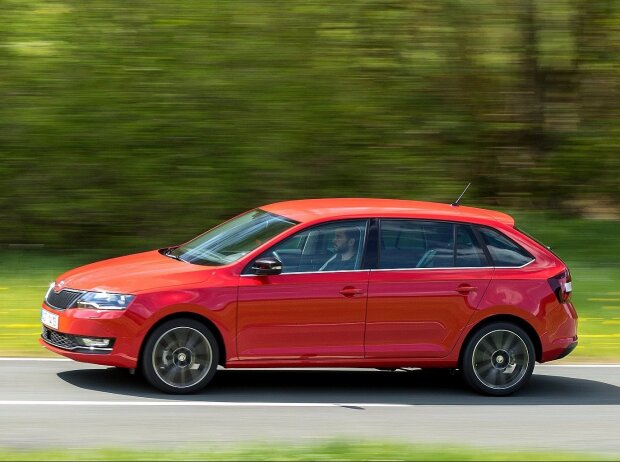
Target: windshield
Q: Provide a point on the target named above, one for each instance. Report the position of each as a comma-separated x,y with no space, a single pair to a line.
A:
232,240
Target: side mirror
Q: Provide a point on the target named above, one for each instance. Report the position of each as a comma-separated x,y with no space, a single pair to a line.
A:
267,266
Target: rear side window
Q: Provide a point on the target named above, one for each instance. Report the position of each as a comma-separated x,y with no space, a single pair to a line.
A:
504,252
468,250
428,244
439,252
402,244
416,244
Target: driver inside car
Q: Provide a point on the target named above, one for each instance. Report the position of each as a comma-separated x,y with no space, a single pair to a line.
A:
345,250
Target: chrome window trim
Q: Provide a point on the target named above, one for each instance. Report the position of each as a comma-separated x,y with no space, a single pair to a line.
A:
401,269
455,267
309,272
516,267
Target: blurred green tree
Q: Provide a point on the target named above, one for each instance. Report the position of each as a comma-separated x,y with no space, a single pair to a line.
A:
133,124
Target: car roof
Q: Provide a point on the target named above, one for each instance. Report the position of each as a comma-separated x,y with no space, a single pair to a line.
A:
308,210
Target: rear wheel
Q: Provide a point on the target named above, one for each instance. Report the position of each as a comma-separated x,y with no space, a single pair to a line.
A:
180,356
498,360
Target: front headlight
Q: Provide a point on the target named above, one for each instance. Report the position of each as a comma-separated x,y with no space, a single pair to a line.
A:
104,301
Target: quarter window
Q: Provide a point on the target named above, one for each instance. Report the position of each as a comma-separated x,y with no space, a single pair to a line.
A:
504,252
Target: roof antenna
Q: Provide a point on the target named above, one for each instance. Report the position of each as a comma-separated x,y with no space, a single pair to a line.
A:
456,202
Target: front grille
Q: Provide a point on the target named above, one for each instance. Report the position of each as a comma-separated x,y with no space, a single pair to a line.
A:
63,299
64,341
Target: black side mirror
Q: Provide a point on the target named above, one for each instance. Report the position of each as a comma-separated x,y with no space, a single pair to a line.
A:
266,266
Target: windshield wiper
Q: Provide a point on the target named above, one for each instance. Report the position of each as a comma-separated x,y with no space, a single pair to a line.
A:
168,253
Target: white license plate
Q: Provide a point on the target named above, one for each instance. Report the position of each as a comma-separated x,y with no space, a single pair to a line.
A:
49,319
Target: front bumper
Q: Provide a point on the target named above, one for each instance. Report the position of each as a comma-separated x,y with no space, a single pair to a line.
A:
72,323
73,342
110,359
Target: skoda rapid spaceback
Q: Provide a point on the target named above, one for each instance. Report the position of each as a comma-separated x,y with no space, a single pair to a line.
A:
369,283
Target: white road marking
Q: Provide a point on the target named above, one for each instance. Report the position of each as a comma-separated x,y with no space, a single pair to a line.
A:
575,365
306,368
193,404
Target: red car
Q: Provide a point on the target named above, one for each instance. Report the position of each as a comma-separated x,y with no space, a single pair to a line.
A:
367,283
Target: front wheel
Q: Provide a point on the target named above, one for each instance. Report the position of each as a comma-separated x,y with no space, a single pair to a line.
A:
498,360
180,356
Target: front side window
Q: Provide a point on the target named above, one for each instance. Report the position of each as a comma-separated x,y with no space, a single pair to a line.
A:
336,246
503,251
232,240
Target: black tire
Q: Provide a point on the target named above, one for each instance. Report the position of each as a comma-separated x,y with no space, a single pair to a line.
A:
498,359
180,356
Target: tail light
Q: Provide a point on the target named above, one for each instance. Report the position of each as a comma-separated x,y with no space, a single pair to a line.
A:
562,286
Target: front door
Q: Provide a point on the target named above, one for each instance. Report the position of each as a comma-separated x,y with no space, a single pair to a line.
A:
316,308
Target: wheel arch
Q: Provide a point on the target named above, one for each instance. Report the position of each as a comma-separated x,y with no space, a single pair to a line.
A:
196,317
522,323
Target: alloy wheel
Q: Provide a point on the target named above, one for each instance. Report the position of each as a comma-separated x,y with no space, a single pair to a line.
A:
182,357
500,359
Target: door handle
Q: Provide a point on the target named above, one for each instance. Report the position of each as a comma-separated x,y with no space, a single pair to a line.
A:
351,291
465,289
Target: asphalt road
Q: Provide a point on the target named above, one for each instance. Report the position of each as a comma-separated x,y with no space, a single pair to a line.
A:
71,405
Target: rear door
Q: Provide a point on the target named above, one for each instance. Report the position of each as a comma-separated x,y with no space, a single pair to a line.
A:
430,277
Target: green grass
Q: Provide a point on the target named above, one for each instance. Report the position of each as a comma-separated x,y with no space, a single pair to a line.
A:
590,248
25,275
326,451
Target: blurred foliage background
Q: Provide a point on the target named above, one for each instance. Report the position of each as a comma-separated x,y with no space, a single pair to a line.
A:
132,124
128,125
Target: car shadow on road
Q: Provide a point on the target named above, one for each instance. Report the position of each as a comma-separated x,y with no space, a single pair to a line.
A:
415,387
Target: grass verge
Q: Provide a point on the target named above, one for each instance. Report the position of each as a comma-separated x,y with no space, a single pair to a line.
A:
341,451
